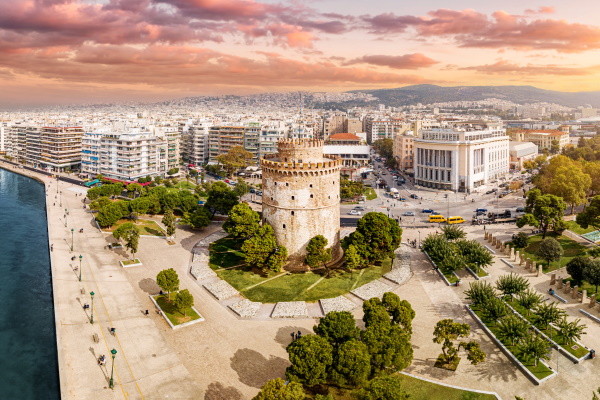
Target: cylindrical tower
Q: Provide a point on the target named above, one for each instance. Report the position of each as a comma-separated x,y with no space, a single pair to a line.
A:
301,196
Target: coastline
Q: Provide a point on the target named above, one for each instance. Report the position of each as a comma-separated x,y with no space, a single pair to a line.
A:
57,331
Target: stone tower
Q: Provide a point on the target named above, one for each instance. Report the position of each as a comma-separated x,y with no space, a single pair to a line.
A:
301,196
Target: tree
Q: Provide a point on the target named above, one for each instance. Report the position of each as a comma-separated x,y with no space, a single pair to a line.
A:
494,309
480,293
168,280
241,188
447,332
337,327
591,215
111,213
593,170
169,221
280,390
130,234
351,364
547,313
543,211
401,311
592,274
520,240
452,232
550,250
564,178
236,158
316,253
311,357
173,171
100,203
389,347
533,348
375,238
243,222
198,218
529,299
387,387
569,332
184,300
352,258
221,198
576,268
512,284
474,254
350,189
262,251
512,328
134,189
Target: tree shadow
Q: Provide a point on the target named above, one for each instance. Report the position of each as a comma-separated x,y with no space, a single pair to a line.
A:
254,369
149,286
218,391
284,335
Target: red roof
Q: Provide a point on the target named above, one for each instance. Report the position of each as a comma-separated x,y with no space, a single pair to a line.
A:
343,136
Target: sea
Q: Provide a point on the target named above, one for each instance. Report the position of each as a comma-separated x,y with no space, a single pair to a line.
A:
28,355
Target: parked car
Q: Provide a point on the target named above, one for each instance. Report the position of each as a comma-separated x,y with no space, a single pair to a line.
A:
427,211
355,212
408,214
359,208
414,196
402,198
491,191
520,209
481,211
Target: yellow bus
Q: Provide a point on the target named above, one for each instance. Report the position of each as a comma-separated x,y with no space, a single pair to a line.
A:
456,220
437,218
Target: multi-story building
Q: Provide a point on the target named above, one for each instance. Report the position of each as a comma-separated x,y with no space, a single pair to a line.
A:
334,124
403,150
353,125
384,128
349,148
460,160
223,138
543,139
195,139
521,152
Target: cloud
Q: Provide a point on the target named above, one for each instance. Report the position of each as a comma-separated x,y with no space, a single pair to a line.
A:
406,61
500,30
541,10
506,67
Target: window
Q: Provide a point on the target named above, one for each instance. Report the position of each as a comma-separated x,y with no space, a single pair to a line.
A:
311,196
292,213
310,185
287,184
293,197
283,226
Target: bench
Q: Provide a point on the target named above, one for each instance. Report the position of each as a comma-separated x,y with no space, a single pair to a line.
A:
96,338
562,300
589,315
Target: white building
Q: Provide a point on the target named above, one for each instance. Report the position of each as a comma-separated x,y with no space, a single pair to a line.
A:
460,160
521,152
194,136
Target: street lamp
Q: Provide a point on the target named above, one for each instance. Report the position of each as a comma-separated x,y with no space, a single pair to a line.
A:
72,230
60,199
92,316
111,383
65,217
419,232
80,257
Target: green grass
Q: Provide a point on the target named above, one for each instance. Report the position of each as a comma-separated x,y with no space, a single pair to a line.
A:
570,247
585,285
419,389
129,262
185,185
224,254
540,370
370,194
169,309
147,227
574,227
452,278
579,351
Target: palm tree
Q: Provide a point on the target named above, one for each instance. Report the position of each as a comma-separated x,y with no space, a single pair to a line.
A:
494,309
512,284
479,293
569,332
533,348
529,300
512,328
546,314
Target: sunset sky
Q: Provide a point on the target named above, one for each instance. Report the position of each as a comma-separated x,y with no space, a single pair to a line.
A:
88,51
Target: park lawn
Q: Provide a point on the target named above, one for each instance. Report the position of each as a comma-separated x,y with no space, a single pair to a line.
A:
147,227
169,309
576,349
370,193
574,227
129,262
185,185
287,287
570,247
452,278
585,285
540,370
419,389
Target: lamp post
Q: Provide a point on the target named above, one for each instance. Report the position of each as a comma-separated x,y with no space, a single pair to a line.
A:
419,232
92,316
60,199
80,257
111,383
65,217
72,230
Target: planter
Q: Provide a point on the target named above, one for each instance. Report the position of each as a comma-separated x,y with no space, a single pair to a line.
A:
131,263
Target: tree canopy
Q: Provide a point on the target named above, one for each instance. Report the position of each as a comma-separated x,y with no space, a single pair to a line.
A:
221,198
168,281
375,238
310,356
544,211
183,300
236,158
243,222
317,255
280,390
262,251
130,235
550,250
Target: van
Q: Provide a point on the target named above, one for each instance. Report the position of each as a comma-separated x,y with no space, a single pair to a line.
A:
437,218
456,220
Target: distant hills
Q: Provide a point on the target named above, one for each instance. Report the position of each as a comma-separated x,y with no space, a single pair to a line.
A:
427,94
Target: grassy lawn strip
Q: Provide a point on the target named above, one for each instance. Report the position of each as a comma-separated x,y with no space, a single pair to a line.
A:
579,351
168,308
129,262
452,278
540,370
291,287
370,194
585,285
571,249
422,390
574,227
147,227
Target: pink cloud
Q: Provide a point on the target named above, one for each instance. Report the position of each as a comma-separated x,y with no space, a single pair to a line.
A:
406,61
506,67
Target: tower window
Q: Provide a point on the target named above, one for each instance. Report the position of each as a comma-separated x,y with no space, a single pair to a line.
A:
287,184
275,183
293,197
310,185
283,226
329,197
292,213
311,196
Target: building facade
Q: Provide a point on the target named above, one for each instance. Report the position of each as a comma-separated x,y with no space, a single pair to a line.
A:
301,196
542,138
403,150
460,160
521,152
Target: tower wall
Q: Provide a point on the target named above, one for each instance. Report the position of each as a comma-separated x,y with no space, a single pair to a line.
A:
301,199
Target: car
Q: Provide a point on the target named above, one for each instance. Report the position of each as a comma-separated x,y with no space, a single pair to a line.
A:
252,190
520,209
427,211
481,210
408,214
491,191
402,198
359,208
259,192
354,212
414,196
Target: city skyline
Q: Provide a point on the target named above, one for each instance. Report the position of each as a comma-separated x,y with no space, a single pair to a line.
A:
76,51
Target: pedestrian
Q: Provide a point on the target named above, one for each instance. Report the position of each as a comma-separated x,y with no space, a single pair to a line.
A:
299,335
51,247
147,312
112,331
293,335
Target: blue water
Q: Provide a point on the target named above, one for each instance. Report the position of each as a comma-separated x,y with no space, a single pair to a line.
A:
28,362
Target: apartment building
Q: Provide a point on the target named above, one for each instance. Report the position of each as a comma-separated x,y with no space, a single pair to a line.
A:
542,138
350,148
460,160
384,128
403,150
195,139
249,136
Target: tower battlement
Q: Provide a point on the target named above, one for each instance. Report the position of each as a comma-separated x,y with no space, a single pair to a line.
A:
284,144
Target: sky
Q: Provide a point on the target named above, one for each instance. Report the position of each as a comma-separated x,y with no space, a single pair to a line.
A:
91,51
